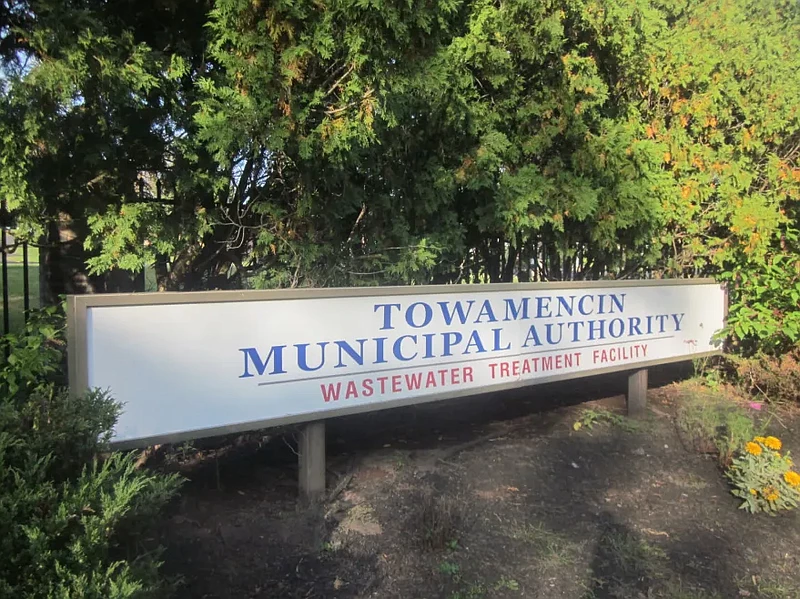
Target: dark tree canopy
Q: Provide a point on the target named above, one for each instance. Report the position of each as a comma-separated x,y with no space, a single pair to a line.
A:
254,143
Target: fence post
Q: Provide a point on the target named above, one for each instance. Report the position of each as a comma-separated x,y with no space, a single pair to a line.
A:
637,393
311,450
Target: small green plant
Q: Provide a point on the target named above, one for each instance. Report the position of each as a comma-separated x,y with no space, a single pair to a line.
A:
452,545
449,568
590,417
763,478
508,584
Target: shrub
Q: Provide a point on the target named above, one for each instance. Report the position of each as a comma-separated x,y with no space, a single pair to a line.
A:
715,423
71,524
764,478
776,378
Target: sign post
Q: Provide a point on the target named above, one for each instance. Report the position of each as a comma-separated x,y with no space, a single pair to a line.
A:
637,393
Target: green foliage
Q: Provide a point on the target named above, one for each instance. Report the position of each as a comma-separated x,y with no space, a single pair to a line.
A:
282,144
763,478
590,417
716,423
68,518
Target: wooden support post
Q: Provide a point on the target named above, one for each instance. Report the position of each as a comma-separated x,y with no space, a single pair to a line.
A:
637,393
312,461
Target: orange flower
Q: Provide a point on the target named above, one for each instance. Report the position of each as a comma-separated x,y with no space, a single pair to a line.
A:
759,439
792,478
753,448
773,443
770,494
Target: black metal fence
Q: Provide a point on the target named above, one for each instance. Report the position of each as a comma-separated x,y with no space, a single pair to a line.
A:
8,249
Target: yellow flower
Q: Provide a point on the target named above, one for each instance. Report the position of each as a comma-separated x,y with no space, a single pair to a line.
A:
761,440
773,443
770,494
753,492
792,478
754,448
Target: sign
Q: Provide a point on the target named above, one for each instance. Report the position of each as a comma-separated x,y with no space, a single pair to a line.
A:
187,365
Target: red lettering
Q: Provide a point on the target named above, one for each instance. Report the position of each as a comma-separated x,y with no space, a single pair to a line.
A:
368,390
468,374
559,362
547,362
351,390
331,392
492,367
442,374
504,369
413,381
431,381
396,383
526,367
515,367
382,380
644,350
454,376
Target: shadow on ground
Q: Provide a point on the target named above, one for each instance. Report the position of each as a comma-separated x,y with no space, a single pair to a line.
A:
491,496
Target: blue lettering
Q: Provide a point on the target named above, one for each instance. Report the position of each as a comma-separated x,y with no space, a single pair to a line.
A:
276,352
678,320
542,304
621,327
575,325
451,338
633,323
486,310
346,348
513,311
532,336
302,356
380,350
568,307
618,301
398,346
498,341
583,310
597,326
428,344
475,339
549,333
457,307
428,315
387,314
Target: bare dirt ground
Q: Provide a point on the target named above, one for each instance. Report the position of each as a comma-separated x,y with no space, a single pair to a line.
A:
488,497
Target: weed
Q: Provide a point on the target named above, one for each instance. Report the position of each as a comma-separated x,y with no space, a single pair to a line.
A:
634,556
472,591
715,423
449,568
452,545
440,519
508,584
590,417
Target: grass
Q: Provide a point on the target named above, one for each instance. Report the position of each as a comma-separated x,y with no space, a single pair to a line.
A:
553,551
16,302
715,422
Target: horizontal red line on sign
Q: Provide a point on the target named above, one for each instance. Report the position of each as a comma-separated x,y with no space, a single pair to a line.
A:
468,361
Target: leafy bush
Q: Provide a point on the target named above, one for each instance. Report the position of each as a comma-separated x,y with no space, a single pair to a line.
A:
71,523
763,478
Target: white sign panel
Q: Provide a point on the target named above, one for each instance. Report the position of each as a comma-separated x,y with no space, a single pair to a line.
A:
214,365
